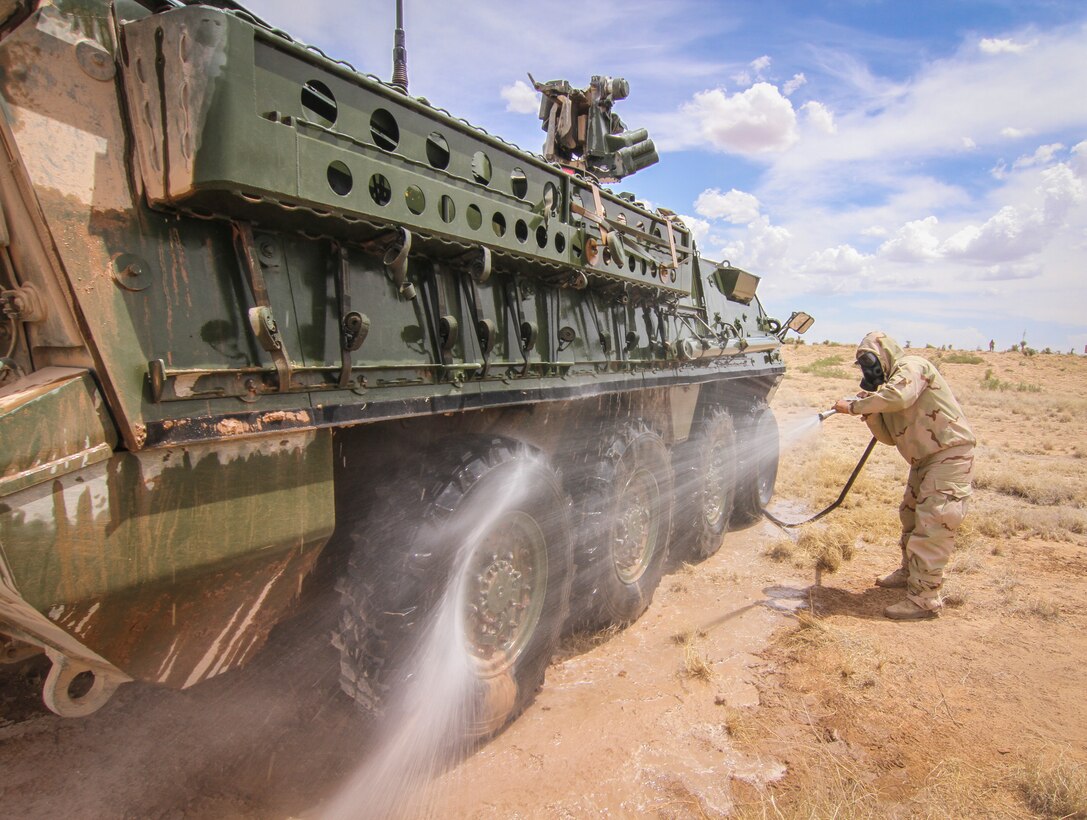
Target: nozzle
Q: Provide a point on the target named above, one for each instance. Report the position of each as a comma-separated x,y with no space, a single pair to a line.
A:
826,414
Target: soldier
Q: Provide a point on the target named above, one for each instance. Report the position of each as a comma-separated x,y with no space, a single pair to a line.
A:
906,402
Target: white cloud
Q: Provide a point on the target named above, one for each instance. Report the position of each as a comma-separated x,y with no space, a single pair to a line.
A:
764,247
1017,231
927,114
755,121
736,207
521,98
755,70
1004,236
819,117
838,261
792,85
969,144
1079,159
1009,273
992,45
699,228
913,242
1042,156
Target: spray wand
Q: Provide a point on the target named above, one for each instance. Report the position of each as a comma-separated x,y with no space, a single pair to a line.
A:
826,414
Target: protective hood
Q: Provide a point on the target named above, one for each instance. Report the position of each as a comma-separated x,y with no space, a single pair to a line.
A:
884,347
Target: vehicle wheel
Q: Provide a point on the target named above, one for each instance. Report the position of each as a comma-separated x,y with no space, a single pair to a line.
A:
715,488
462,599
626,525
757,465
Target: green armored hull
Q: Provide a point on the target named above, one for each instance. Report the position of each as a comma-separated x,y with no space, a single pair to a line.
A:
259,305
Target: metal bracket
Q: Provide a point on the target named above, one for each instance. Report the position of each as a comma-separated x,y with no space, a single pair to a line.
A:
354,326
261,320
23,304
396,260
56,690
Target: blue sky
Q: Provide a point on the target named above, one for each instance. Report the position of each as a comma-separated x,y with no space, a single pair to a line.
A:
918,167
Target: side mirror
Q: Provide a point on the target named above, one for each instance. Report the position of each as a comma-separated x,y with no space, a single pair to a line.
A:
800,322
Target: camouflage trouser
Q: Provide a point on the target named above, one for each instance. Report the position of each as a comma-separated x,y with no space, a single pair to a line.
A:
933,506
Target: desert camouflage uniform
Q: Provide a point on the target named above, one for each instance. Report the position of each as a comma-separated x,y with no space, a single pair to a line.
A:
915,411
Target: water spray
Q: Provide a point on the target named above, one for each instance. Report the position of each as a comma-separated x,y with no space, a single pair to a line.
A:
826,414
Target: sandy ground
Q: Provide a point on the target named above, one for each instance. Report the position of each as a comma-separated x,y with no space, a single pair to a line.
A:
746,689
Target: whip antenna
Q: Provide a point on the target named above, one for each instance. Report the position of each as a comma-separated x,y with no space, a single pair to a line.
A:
400,51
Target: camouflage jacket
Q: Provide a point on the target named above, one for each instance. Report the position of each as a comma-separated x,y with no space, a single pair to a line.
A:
914,409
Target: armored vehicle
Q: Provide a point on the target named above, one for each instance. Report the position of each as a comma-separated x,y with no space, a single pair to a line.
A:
261,309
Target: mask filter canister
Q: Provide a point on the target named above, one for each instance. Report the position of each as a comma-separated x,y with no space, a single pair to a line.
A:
871,371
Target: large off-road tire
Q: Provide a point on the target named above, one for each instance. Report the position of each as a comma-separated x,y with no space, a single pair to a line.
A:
757,464
459,580
626,500
714,464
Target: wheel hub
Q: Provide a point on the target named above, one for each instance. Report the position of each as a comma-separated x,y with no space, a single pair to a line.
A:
505,592
635,531
714,496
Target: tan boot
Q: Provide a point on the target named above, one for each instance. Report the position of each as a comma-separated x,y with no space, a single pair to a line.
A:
896,580
907,610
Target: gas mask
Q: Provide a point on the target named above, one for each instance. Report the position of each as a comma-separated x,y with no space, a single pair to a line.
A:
871,371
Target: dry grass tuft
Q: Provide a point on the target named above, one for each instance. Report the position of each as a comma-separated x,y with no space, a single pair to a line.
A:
831,788
582,641
964,562
828,544
1035,606
1044,489
954,595
1053,785
954,788
740,724
694,664
781,549
1039,607
1059,524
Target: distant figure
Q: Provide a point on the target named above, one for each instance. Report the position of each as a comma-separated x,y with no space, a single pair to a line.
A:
992,345
1023,346
907,403
908,344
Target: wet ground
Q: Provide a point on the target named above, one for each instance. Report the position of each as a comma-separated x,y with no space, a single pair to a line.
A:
625,722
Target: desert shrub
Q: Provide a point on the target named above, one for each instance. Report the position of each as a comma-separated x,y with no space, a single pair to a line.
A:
828,368
1043,490
963,358
991,382
1055,786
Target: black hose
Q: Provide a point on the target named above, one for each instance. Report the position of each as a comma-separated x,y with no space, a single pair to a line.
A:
839,500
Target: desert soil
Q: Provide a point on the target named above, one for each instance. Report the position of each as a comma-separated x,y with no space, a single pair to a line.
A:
754,686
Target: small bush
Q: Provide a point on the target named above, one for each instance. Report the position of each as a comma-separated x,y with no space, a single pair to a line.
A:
1054,786
963,358
991,382
827,368
694,664
954,595
780,550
